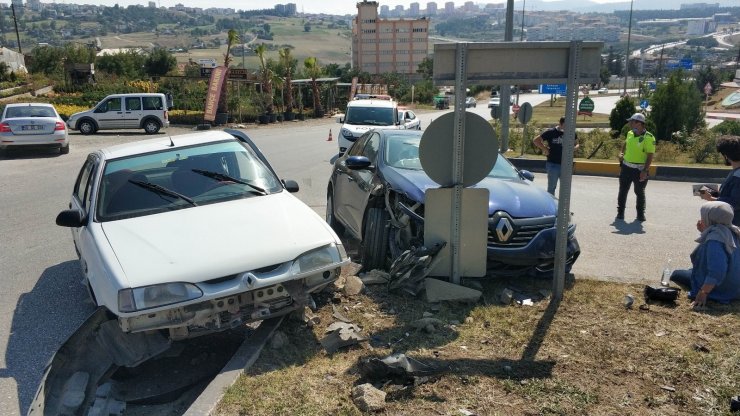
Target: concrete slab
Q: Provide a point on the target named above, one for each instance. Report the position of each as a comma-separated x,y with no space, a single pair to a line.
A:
438,291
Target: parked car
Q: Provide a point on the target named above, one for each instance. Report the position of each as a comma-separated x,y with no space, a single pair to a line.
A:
365,112
408,119
441,102
470,102
494,102
146,111
603,90
376,195
32,124
195,234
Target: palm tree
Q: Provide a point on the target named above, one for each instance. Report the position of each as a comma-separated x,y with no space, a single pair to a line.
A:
314,71
232,39
288,64
265,76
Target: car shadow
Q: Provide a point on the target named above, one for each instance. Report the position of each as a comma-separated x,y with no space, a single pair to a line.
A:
133,132
627,228
43,319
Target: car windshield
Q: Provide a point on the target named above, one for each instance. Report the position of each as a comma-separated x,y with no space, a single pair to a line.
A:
152,183
402,151
30,111
374,116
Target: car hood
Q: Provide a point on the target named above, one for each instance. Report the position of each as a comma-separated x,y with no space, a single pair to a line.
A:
217,240
518,197
78,114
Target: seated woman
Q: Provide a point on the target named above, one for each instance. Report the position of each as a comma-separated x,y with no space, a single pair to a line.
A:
716,260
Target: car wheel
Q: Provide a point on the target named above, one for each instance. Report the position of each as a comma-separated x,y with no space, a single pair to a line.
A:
375,238
330,218
151,126
86,127
64,149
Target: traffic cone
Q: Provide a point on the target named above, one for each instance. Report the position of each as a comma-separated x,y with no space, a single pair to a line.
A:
329,139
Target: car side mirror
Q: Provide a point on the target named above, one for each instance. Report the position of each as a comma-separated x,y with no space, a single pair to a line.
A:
340,119
527,175
73,218
357,162
290,185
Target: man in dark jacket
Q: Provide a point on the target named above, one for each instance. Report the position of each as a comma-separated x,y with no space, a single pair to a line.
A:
729,191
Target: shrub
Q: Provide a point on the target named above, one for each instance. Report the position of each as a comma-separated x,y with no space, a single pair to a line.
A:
667,152
702,145
731,127
599,143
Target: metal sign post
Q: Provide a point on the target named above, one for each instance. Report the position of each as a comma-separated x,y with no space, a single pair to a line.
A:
507,63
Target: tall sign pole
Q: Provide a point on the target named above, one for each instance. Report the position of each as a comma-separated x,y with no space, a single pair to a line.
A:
505,93
627,56
15,22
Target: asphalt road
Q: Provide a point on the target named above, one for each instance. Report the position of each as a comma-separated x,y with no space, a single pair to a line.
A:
44,303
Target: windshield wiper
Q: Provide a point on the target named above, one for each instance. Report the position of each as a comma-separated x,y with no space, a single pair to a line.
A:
163,191
224,177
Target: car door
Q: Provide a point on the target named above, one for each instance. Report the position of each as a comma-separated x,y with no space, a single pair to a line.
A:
349,201
132,113
360,181
410,121
82,201
109,114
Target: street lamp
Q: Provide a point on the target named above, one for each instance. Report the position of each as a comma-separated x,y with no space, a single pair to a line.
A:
627,58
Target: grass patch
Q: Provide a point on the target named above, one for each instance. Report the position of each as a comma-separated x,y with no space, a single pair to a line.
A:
587,355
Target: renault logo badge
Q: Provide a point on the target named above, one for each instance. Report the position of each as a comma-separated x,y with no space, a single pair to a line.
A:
504,230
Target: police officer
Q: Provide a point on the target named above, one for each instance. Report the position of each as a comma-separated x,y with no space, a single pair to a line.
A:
635,159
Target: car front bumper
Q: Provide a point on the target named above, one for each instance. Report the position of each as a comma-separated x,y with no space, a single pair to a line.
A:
538,254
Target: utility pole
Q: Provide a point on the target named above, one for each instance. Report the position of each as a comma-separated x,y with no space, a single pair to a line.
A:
505,92
627,58
15,22
521,39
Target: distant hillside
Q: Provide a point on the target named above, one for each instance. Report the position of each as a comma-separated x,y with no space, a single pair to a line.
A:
585,6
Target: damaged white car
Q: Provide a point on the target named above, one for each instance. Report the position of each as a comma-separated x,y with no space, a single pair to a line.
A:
194,234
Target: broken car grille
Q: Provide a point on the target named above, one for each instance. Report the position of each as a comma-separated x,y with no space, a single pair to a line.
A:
504,231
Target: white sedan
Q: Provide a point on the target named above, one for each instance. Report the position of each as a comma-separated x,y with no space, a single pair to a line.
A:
33,125
195,234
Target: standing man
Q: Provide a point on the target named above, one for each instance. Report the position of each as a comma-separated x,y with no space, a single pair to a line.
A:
729,191
554,152
635,159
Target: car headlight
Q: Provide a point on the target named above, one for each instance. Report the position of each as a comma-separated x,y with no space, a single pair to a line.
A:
147,297
321,258
346,133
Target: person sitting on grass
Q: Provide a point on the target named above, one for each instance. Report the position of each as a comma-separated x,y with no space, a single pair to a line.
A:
715,274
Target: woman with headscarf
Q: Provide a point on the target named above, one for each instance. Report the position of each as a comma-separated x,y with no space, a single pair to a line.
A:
716,260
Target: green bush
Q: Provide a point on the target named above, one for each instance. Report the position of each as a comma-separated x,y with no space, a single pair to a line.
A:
599,143
731,127
667,152
702,146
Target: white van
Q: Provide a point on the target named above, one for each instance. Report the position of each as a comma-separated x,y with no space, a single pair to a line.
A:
363,113
146,111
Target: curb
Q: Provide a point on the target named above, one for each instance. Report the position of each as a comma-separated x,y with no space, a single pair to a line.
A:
244,357
611,169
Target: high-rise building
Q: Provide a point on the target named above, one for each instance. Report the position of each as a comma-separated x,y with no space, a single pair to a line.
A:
387,45
431,8
413,10
290,9
450,7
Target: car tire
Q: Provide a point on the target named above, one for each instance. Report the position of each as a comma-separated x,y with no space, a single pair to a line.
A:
374,240
64,149
151,126
86,127
331,219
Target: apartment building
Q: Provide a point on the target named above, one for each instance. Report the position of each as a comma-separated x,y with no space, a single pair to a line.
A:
387,45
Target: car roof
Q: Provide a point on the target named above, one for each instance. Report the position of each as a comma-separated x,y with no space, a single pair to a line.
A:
371,103
29,104
137,94
163,143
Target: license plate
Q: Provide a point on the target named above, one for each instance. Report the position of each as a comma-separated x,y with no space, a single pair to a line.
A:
31,128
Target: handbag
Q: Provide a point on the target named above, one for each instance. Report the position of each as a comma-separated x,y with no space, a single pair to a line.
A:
663,294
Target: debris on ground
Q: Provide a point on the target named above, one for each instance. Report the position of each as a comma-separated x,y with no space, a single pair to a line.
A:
375,277
629,300
337,314
438,291
353,286
367,398
507,295
398,369
735,404
278,340
341,334
408,270
430,325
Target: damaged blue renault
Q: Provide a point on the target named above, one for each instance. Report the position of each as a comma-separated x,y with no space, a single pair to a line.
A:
376,195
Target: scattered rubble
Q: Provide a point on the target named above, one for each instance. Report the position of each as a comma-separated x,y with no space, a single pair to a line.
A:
409,270
367,398
339,335
278,340
438,290
506,296
337,314
375,277
353,286
397,368
428,324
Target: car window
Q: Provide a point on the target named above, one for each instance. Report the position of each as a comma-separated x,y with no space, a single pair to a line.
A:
113,104
30,111
196,172
153,103
503,169
370,150
133,103
359,145
374,116
402,151
83,185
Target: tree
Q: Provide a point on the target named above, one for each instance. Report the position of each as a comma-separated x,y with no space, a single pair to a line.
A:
314,71
605,76
232,39
623,110
265,75
677,106
426,68
288,64
127,64
159,62
707,75
307,27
